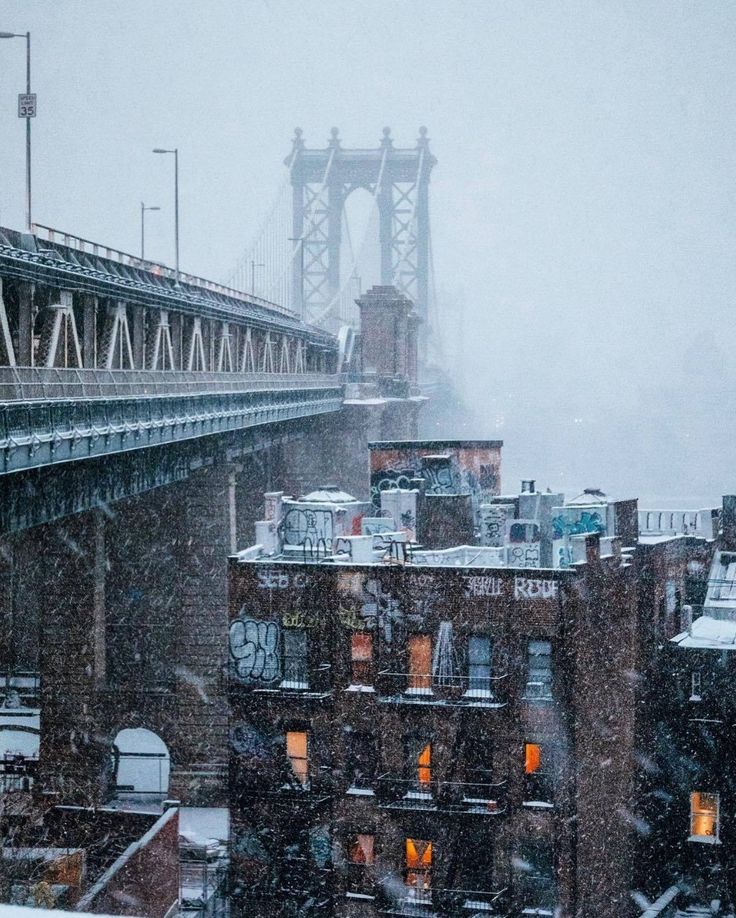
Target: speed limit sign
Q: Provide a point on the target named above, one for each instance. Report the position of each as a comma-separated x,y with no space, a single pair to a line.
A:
27,105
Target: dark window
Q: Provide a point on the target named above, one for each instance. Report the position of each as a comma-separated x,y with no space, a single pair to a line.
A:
539,670
361,759
295,659
479,665
534,867
478,770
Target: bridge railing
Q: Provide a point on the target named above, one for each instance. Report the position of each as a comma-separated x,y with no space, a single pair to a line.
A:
59,237
23,384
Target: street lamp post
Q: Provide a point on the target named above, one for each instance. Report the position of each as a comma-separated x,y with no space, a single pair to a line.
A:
27,110
175,151
143,228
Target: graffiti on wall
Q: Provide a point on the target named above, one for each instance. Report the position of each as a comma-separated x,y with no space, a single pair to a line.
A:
532,588
478,585
447,467
249,742
363,603
523,549
302,523
571,521
300,618
493,519
254,648
271,579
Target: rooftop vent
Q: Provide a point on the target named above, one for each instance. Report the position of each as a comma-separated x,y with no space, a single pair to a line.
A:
527,485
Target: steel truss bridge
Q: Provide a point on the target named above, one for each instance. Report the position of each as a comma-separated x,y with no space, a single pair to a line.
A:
102,353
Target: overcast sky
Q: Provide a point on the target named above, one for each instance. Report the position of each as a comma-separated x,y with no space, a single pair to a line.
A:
582,206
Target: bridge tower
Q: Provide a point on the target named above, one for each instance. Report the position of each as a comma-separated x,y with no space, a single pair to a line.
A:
322,180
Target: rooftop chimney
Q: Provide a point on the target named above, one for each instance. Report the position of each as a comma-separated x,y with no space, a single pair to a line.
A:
728,522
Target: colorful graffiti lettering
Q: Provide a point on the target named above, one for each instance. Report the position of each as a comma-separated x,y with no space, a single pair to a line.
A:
587,521
299,618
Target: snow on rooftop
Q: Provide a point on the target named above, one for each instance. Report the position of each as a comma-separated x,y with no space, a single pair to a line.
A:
721,593
708,633
328,495
200,824
27,911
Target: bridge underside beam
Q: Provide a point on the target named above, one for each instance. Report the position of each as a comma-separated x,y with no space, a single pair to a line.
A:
44,495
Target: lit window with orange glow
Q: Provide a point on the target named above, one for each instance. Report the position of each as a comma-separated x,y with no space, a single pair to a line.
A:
424,766
532,758
704,816
297,751
361,657
361,851
420,663
418,864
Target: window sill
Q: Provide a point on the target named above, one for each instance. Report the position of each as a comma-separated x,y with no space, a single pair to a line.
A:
294,686
360,792
479,693
419,691
695,698
363,896
356,687
538,804
705,839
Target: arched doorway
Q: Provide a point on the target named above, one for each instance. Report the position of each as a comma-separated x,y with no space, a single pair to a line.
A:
141,765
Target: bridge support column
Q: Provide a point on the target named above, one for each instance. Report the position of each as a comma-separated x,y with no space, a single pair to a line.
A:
24,352
89,330
199,773
75,759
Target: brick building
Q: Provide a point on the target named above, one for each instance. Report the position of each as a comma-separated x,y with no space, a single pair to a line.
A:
434,706
689,795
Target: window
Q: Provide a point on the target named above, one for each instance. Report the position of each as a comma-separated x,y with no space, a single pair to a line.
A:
538,774
539,670
420,663
295,659
361,657
424,766
418,760
695,685
360,850
361,858
534,868
297,752
479,666
361,760
704,815
478,781
418,873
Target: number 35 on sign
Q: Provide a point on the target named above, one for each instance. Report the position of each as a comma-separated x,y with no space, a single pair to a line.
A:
27,105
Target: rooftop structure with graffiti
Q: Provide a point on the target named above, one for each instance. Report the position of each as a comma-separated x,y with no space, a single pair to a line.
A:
437,503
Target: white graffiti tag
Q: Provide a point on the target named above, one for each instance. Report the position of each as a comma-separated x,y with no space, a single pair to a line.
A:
529,588
254,650
482,586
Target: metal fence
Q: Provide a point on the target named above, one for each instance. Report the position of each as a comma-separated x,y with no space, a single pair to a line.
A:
23,384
